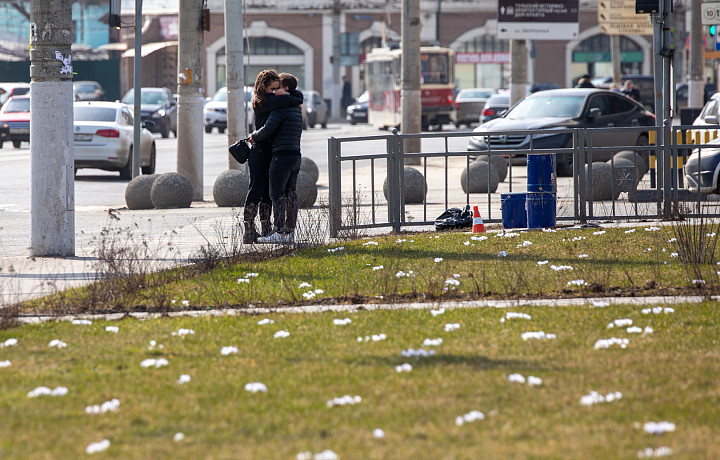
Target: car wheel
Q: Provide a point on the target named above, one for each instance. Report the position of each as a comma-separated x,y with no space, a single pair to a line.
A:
150,169
221,130
175,134
1,144
304,125
208,129
16,144
353,123
126,171
324,125
164,132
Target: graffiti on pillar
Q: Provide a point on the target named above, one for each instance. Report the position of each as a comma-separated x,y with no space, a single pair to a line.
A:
67,62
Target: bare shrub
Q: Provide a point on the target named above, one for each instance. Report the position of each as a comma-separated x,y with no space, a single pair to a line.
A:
9,316
696,242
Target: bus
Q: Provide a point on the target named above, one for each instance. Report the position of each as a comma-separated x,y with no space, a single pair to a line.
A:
437,86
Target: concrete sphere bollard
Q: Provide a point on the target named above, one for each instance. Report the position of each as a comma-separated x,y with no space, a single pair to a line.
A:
625,175
483,178
231,188
309,166
642,163
306,190
500,163
415,186
137,193
171,190
601,181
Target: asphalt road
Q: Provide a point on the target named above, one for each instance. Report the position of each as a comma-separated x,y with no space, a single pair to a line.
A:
96,191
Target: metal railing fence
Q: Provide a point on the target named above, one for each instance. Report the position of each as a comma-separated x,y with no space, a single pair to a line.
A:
354,164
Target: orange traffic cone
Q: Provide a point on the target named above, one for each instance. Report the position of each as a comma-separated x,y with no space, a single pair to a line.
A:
478,226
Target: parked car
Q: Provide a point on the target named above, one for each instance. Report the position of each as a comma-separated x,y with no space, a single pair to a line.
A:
87,90
566,108
702,168
315,110
357,112
215,111
681,94
156,105
540,86
13,89
103,138
469,104
15,121
495,106
644,83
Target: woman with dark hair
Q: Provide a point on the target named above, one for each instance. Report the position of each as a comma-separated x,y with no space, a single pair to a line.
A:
267,96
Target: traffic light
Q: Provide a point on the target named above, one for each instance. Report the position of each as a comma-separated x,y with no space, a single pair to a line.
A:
712,30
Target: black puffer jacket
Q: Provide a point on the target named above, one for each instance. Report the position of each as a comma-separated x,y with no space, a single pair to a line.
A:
284,127
272,102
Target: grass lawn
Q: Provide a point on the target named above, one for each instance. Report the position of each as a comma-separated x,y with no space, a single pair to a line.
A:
419,266
668,375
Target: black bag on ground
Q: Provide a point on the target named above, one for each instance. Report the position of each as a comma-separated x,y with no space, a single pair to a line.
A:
454,218
240,150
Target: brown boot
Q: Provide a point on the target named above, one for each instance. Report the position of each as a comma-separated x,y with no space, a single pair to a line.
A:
250,235
264,210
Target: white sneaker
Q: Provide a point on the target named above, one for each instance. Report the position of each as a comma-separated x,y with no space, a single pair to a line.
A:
277,238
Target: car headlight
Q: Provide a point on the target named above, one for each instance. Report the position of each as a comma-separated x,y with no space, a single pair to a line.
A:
159,114
310,110
5,125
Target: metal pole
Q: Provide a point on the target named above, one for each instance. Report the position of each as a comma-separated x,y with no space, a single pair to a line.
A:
235,76
666,97
336,60
334,186
518,70
51,137
411,105
190,95
137,86
617,73
696,85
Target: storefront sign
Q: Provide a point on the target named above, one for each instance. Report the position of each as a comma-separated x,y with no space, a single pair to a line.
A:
482,58
540,20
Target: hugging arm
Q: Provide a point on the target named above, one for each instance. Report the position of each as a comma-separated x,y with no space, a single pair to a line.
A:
271,125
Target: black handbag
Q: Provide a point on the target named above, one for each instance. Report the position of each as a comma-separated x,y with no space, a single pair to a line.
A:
240,150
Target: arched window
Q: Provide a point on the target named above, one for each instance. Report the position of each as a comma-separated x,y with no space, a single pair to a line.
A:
594,56
269,45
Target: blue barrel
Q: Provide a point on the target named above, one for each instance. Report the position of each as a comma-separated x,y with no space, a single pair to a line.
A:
541,172
513,210
541,209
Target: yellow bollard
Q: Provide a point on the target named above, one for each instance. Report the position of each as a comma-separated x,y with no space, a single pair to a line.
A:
651,137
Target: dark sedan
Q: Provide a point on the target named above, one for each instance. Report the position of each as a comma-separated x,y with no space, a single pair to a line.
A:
495,106
469,104
156,105
566,108
357,112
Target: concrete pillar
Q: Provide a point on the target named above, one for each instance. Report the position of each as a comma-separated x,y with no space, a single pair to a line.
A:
190,95
410,101
335,110
235,76
518,70
51,137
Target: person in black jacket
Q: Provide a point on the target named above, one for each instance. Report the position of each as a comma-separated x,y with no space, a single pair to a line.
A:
284,128
268,96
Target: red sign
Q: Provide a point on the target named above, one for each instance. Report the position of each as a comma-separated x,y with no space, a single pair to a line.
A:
483,58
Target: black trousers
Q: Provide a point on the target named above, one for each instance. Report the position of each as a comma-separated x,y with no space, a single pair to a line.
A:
284,170
259,165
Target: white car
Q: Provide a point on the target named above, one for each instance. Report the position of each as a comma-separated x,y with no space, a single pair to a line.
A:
215,111
104,138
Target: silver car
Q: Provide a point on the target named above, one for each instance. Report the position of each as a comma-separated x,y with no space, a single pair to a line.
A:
315,110
103,139
215,111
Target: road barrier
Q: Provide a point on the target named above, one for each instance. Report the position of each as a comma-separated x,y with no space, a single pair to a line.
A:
358,168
